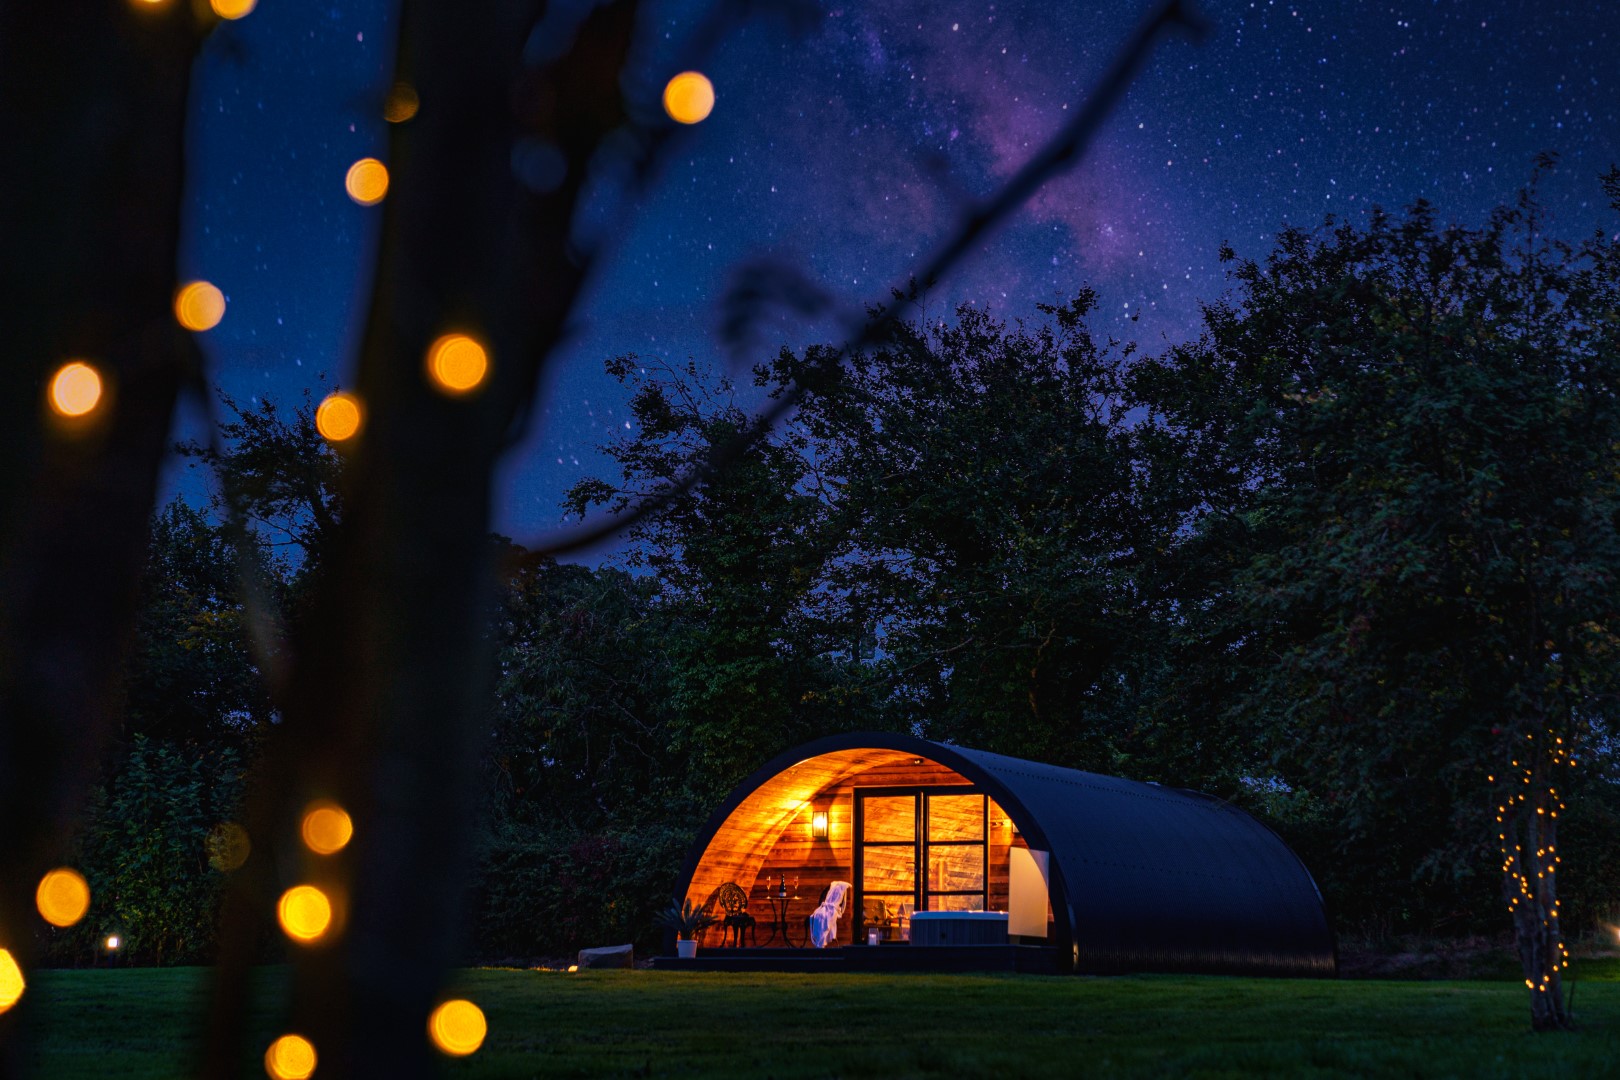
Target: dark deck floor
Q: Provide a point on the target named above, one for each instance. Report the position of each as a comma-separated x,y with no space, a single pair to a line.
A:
1027,959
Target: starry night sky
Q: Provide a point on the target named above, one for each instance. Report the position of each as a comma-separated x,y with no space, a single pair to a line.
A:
853,149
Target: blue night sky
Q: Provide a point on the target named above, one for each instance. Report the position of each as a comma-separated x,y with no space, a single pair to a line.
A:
852,149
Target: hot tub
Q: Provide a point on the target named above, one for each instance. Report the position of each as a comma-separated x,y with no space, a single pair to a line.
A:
959,928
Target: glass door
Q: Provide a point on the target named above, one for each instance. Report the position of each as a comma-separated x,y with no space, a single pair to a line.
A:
886,863
954,852
919,849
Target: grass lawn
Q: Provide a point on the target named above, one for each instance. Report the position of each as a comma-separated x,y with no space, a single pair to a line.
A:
139,1023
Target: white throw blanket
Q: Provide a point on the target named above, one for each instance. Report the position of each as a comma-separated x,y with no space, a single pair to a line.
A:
824,920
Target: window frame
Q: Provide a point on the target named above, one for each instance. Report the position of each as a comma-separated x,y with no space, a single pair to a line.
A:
920,845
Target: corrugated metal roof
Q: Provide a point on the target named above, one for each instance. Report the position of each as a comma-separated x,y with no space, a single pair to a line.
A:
1162,879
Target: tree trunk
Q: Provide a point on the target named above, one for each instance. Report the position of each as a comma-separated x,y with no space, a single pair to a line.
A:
92,118
1527,832
387,688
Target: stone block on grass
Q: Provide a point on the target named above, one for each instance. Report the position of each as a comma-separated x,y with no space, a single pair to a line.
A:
610,956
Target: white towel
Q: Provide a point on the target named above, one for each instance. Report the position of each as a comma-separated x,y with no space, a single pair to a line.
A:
824,920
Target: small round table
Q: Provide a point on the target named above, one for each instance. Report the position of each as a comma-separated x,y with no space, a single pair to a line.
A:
779,919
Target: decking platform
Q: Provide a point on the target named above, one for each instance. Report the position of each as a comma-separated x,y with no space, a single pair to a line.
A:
1023,959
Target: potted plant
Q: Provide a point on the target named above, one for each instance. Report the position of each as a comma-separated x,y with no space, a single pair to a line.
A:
688,921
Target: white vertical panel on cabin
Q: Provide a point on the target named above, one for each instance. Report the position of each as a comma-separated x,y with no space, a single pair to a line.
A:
1026,893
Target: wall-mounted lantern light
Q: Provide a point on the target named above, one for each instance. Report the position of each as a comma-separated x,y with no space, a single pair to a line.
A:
818,825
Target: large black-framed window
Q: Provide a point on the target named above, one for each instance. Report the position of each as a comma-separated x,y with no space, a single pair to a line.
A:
919,849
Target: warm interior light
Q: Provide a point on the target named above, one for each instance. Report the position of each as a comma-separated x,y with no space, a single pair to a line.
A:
326,828
457,363
402,103
367,181
689,97
233,9
75,389
304,912
290,1057
12,984
62,897
338,416
199,305
458,1027
818,825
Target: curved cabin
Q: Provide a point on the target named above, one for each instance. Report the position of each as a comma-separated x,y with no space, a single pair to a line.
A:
943,845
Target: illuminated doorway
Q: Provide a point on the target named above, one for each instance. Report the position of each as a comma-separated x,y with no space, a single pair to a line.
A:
918,849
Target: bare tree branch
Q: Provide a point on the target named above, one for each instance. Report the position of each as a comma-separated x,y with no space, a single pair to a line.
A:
1065,148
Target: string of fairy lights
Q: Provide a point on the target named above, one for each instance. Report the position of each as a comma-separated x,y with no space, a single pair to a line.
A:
455,364
1538,898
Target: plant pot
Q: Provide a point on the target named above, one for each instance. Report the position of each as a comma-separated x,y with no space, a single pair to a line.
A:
685,949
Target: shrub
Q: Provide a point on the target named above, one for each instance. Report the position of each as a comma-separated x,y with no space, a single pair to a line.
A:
551,892
144,852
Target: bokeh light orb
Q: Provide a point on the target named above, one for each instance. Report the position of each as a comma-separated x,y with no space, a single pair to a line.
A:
326,828
401,103
338,417
304,913
233,9
63,896
458,1027
291,1057
367,181
12,983
228,846
199,305
689,97
75,389
457,363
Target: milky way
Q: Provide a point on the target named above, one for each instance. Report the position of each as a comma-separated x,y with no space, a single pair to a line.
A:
853,149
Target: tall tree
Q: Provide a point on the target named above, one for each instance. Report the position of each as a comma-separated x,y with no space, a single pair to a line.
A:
964,494
191,676
1405,433
271,467
759,647
92,116
985,482
582,712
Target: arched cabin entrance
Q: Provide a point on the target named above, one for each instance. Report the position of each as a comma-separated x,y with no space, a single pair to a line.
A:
1112,874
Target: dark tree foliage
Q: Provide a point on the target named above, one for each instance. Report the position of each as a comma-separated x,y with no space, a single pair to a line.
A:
155,877
588,813
191,678
581,700
271,466
759,648
545,891
948,536
1401,441
995,526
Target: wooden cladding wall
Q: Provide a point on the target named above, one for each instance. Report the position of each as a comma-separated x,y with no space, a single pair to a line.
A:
766,839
